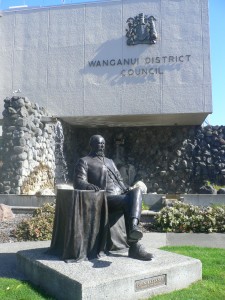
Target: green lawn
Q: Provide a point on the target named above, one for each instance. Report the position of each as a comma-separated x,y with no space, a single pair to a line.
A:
212,287
12,289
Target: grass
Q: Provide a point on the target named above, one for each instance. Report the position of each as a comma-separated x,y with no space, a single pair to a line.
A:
12,289
212,286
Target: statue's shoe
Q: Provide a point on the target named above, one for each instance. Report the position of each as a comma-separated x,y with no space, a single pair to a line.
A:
137,251
135,233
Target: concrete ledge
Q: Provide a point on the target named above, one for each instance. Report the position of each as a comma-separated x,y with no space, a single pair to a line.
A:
149,213
112,277
25,200
203,199
154,201
23,209
160,239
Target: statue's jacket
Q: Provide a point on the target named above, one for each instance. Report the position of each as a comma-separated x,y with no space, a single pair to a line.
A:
92,170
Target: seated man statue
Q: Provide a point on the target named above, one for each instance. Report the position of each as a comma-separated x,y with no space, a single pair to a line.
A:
96,172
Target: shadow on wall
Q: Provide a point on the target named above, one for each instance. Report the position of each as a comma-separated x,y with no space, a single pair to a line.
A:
111,65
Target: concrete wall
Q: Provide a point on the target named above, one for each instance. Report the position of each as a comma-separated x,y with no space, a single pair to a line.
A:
47,53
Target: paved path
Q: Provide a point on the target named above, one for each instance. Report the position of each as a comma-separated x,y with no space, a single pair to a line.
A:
8,257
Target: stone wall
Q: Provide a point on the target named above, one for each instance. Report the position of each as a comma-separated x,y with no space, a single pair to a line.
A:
172,159
168,159
28,148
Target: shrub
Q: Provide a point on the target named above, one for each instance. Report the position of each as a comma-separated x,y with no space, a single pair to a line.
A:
39,227
219,212
181,217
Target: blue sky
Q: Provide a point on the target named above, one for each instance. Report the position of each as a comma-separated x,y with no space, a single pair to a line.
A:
217,47
217,42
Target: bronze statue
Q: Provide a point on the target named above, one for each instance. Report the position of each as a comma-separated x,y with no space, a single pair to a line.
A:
96,172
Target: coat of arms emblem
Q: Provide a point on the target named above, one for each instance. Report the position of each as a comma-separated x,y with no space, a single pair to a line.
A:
141,30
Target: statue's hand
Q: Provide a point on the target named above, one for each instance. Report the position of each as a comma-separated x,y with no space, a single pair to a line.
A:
127,190
93,187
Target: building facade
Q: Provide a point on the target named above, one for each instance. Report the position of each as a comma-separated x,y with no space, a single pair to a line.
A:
112,63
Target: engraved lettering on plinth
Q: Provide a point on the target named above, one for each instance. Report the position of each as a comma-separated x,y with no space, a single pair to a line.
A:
150,282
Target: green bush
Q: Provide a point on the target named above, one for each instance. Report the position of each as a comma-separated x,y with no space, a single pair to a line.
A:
181,217
39,227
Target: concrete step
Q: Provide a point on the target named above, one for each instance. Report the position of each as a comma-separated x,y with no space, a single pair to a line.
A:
23,209
147,216
149,213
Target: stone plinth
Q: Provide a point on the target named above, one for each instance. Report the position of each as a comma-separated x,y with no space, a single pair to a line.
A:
111,277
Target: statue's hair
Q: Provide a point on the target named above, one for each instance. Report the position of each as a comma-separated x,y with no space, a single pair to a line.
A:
94,138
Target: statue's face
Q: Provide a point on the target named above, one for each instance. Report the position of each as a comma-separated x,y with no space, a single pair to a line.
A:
98,145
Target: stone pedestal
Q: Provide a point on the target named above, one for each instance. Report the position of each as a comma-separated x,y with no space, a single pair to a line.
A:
111,277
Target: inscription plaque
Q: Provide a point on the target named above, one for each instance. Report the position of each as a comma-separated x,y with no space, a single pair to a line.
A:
150,282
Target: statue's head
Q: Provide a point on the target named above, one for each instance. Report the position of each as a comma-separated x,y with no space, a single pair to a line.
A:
97,144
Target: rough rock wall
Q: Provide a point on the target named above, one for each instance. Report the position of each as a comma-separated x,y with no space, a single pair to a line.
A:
168,159
28,148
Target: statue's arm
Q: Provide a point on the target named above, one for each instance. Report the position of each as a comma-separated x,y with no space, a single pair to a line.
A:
119,177
81,177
